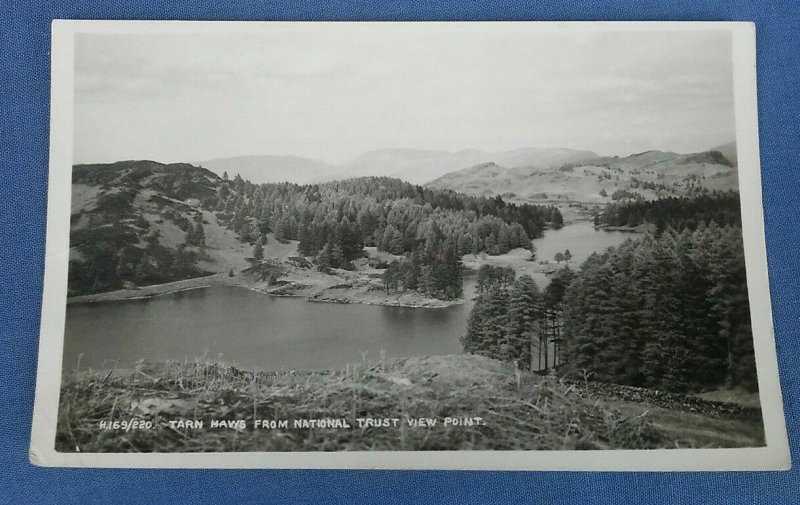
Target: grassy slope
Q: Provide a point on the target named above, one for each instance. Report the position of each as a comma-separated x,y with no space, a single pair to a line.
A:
521,410
583,181
225,251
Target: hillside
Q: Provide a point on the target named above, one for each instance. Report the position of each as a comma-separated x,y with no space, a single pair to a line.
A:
420,166
729,151
466,403
131,222
267,168
647,175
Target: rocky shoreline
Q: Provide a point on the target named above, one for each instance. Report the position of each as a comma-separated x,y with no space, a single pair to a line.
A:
409,300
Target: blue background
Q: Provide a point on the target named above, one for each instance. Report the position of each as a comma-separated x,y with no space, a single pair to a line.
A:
24,106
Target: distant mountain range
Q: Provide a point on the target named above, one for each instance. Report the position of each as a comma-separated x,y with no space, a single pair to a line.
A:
648,175
421,166
417,166
529,174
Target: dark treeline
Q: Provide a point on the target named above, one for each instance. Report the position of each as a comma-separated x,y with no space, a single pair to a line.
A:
513,320
722,208
666,312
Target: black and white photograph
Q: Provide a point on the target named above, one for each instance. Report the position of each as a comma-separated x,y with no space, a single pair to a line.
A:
406,245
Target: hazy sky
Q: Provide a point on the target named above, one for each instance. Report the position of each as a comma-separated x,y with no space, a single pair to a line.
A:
334,93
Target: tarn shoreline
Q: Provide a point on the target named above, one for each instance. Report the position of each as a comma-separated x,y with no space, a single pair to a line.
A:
291,290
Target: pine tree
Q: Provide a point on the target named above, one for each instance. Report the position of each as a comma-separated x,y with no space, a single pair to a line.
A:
590,322
732,309
465,242
666,352
199,234
411,271
487,325
337,258
396,243
556,218
324,257
392,240
707,360
190,236
391,277
490,244
348,235
305,246
524,319
452,267
505,240
258,251
425,282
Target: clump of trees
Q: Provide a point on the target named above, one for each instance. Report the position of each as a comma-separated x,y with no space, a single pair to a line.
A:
386,213
668,312
512,320
624,194
563,256
435,270
489,276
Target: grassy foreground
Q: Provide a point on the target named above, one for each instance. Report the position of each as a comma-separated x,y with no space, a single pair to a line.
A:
518,410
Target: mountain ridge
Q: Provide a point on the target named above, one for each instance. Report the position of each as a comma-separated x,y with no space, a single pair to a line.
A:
434,166
420,166
602,179
417,166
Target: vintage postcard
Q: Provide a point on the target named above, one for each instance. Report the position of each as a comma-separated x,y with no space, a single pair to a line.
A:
503,246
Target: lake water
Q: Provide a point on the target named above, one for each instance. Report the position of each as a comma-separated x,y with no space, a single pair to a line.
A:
258,331
580,238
